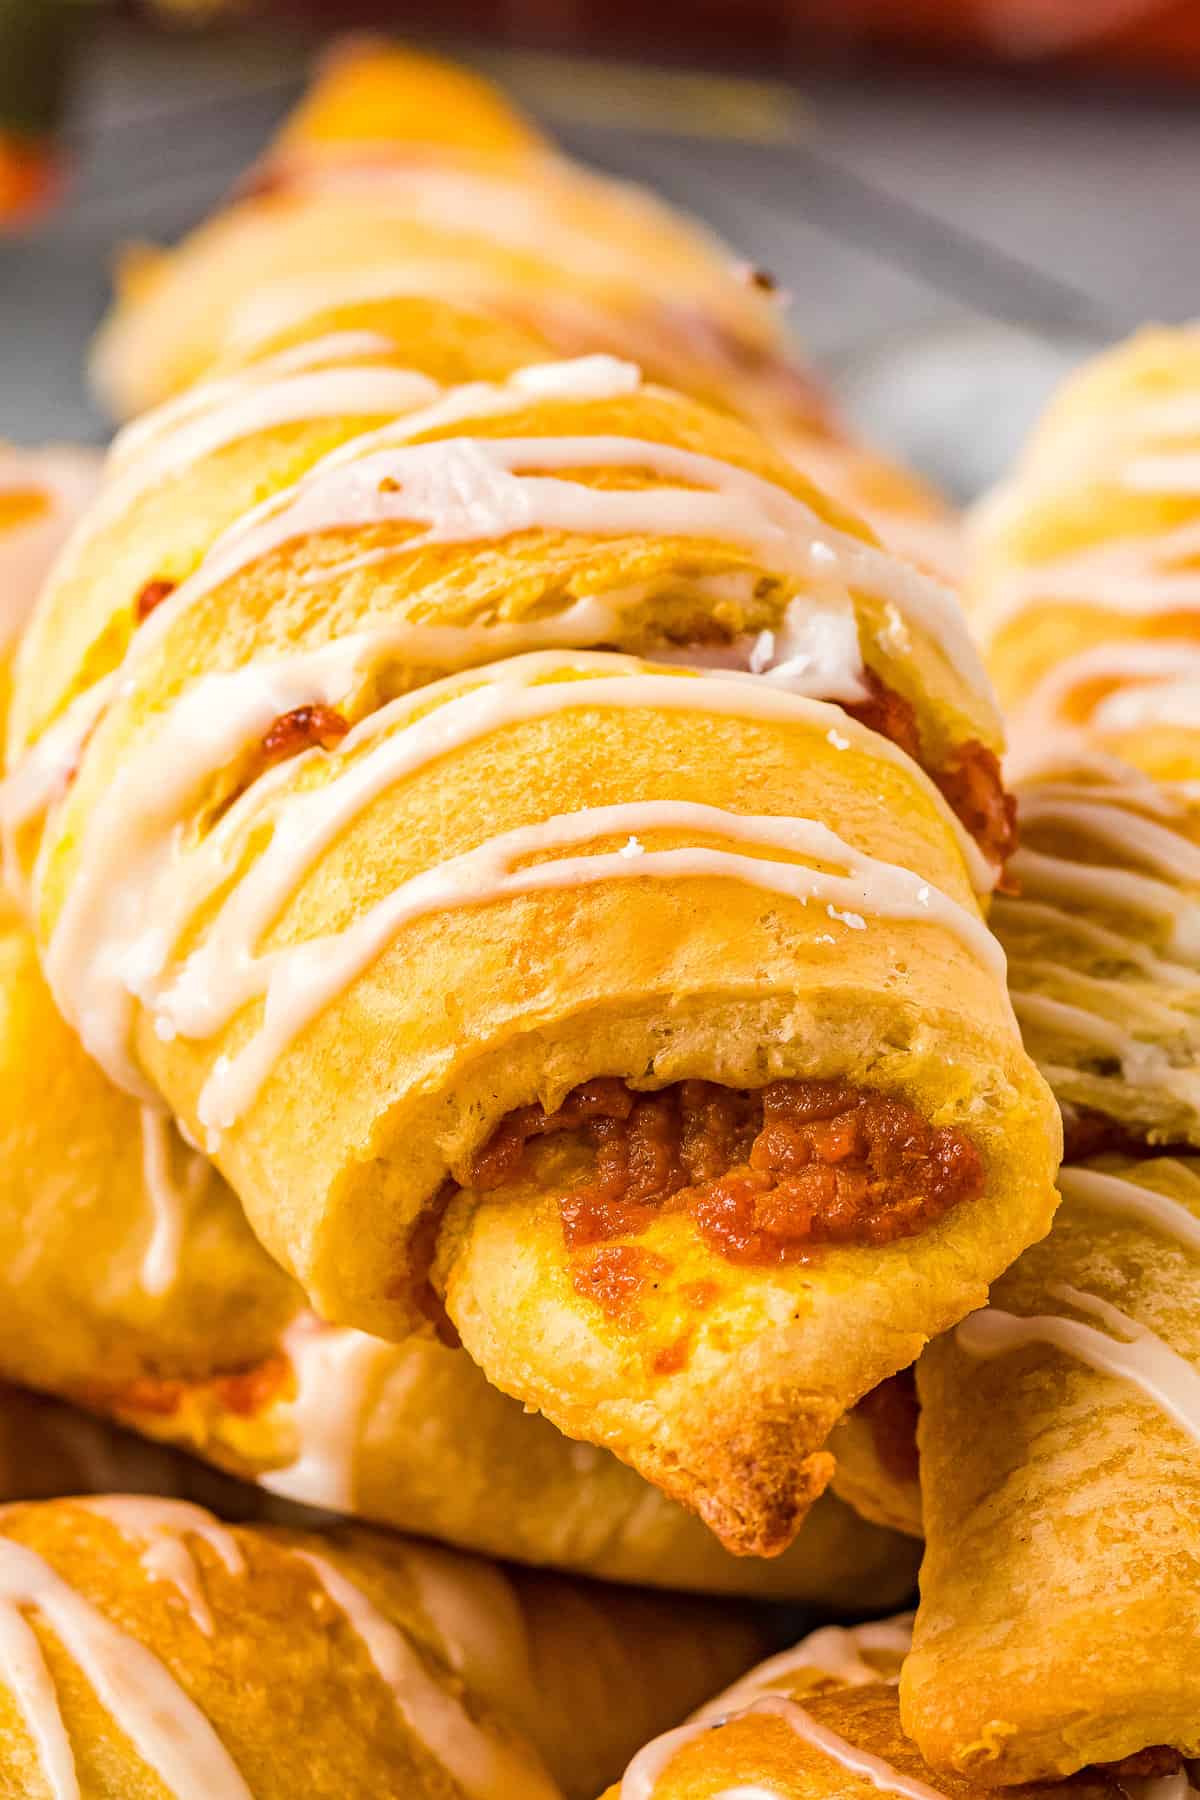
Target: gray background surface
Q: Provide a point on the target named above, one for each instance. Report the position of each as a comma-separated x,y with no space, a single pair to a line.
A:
952,243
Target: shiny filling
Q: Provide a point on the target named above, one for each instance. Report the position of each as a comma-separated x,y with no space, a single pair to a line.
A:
971,782
766,1176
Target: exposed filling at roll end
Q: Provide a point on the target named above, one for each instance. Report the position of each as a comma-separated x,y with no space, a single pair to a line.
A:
892,1411
1087,1133
768,1176
971,781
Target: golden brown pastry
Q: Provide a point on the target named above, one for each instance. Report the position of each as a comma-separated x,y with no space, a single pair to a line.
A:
1082,575
1102,933
402,174
146,1648
1059,1435
130,1281
823,1720
243,756
173,1317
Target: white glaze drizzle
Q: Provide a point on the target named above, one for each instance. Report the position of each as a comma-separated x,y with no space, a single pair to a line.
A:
1136,576
1067,751
477,1619
466,490
435,486
1083,970
41,776
1138,683
1113,444
170,1195
308,383
582,379
135,889
1115,826
335,1369
167,1729
651,337
643,1774
1163,704
298,981
484,1764
812,648
1126,1350
224,713
1147,574
871,1768
835,1650
1121,1198
1113,888
812,652
158,426
161,1528
577,380
755,1791
1142,1064
363,390
1022,924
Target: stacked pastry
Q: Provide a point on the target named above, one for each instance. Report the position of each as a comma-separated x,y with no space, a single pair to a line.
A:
403,175
1057,1629
1056,1637
503,1039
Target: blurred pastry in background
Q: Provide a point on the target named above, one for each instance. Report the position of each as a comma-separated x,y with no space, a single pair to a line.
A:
400,173
1083,576
1082,580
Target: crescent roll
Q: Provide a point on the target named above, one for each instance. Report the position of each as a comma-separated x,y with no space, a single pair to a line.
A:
146,1648
130,1281
823,1720
1102,932
402,174
1060,1459
1083,579
410,1116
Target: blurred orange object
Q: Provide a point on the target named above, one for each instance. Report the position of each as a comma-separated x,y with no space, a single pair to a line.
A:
31,178
40,41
